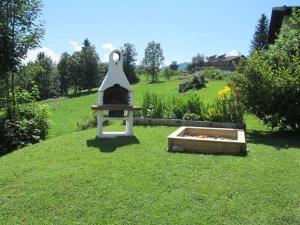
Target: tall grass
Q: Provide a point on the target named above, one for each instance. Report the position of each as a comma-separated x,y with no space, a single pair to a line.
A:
191,107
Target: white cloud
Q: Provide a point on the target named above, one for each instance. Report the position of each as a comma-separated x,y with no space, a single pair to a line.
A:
105,58
75,45
138,61
108,46
32,54
167,63
233,52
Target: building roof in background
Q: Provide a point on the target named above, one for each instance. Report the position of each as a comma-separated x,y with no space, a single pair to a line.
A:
226,58
229,58
277,16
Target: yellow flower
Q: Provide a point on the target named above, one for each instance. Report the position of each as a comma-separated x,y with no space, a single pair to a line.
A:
221,93
227,89
224,91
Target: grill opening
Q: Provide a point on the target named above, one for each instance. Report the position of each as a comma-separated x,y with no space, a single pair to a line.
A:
116,95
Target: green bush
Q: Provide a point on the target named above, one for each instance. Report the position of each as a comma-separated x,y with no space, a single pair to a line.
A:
160,106
168,73
269,84
197,82
194,105
90,122
226,109
153,106
190,116
212,73
26,124
23,96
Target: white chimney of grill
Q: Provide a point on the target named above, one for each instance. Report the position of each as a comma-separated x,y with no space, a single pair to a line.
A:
115,75
115,96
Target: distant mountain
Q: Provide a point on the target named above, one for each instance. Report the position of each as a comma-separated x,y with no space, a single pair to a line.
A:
182,66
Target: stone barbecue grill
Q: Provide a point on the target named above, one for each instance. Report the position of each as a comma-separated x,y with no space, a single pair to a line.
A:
115,98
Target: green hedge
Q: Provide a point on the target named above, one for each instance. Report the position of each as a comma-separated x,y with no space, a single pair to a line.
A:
23,125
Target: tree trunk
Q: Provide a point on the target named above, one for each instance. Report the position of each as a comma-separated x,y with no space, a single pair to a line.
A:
7,92
13,89
153,74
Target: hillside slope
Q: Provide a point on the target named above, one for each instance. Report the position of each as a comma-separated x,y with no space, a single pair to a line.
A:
67,112
76,178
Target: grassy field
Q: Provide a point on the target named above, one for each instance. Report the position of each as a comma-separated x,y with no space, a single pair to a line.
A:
77,179
66,113
74,178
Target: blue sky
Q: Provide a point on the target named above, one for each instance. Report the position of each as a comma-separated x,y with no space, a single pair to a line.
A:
184,28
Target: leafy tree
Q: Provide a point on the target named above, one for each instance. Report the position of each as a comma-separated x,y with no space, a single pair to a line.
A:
129,58
54,83
153,59
269,82
25,78
63,68
141,69
47,79
90,66
76,71
103,68
173,66
20,30
167,73
260,37
196,64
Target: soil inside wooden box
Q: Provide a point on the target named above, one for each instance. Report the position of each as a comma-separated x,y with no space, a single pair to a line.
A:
209,137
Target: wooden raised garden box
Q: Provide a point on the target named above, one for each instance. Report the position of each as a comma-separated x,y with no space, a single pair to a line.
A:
207,140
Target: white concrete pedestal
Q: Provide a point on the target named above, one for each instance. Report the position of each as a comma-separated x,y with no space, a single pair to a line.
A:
129,124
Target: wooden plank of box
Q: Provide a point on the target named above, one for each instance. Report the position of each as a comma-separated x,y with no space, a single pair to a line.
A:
207,140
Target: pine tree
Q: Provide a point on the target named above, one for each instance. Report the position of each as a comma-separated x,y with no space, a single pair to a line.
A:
129,58
260,37
63,68
90,66
47,79
75,70
173,66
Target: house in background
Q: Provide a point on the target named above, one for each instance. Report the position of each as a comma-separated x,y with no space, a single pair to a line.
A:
223,62
280,16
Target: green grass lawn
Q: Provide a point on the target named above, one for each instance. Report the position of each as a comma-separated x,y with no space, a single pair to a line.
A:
66,113
73,178
210,92
77,179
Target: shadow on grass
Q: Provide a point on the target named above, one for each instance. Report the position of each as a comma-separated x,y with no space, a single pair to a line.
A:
3,152
111,144
156,82
82,93
278,140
